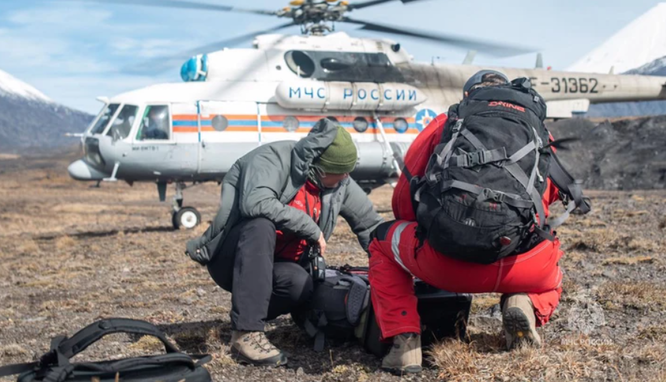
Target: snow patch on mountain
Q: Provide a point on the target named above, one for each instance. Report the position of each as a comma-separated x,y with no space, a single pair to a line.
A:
12,87
640,42
31,122
654,68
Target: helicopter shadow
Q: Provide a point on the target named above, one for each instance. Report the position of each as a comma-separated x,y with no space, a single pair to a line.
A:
112,232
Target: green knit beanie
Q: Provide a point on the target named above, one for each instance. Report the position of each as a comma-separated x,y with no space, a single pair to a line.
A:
340,157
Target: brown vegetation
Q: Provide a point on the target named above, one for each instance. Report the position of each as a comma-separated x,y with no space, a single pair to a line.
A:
71,254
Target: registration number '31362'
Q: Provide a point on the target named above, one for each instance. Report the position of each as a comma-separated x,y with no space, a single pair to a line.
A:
574,85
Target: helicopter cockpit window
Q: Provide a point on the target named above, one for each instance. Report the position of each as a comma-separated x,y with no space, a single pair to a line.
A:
104,118
300,63
155,124
121,126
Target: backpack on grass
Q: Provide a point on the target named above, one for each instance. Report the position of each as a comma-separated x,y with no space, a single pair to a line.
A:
341,310
55,366
338,304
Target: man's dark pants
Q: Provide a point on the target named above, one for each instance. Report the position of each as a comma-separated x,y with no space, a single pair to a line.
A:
261,288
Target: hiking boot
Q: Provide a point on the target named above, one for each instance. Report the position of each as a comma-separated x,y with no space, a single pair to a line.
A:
519,322
405,355
255,349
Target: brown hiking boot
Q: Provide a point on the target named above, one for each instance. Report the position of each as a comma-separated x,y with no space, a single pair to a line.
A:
405,355
519,322
255,349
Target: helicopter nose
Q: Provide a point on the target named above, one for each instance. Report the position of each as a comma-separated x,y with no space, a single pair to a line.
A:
80,170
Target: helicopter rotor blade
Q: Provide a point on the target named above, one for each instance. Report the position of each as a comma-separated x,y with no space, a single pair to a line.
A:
371,3
498,50
182,4
161,64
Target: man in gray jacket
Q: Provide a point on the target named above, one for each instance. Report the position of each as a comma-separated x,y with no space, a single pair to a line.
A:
276,201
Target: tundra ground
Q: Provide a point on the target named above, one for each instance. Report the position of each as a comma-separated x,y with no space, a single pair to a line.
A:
71,254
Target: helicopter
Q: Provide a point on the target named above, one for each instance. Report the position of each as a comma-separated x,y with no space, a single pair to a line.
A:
233,100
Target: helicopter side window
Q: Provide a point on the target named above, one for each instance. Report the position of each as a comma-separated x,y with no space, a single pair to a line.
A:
154,124
300,63
332,64
121,126
378,60
104,118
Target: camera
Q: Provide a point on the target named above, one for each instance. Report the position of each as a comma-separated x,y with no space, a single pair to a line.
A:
316,263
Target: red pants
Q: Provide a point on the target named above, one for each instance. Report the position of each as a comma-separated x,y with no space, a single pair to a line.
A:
396,260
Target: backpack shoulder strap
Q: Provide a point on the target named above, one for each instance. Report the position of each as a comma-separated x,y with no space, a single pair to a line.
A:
357,299
570,187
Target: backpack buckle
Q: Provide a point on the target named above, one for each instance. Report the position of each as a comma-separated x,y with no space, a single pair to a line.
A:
457,126
476,158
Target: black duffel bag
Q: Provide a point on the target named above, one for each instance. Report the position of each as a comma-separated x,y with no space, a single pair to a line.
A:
55,365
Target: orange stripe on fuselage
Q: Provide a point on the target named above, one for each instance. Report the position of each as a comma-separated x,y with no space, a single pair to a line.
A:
280,118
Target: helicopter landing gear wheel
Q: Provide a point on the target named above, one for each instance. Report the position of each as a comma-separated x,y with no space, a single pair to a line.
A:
187,217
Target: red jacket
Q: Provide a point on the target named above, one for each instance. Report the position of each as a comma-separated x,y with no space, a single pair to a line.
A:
416,161
287,245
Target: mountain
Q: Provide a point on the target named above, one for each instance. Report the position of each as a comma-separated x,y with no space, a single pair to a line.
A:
31,122
654,68
642,41
643,108
625,154
638,48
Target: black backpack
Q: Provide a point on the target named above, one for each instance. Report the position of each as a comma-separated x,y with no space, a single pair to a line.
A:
341,310
338,304
55,366
482,190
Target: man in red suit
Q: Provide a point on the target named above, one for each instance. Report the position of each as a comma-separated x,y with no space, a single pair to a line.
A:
530,282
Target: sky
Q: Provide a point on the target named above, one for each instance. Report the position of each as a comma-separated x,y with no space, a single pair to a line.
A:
74,51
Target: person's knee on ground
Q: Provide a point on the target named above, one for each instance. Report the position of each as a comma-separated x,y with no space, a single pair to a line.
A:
519,321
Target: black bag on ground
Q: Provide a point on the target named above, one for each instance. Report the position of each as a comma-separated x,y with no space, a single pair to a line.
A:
55,366
341,310
338,304
482,190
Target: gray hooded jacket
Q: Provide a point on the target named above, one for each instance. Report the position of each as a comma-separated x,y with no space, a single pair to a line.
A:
262,182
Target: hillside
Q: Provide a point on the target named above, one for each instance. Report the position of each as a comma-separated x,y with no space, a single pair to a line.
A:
30,120
623,154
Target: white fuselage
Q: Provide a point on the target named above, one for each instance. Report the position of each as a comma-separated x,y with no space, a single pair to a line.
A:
248,97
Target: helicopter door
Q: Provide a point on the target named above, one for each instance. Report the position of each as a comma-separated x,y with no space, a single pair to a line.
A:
159,147
228,131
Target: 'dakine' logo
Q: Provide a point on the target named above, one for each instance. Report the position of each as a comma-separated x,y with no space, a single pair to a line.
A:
507,105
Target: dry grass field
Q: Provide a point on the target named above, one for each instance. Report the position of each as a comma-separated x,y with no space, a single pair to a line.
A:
71,254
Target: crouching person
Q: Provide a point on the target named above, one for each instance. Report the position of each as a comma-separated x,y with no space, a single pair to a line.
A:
276,201
473,217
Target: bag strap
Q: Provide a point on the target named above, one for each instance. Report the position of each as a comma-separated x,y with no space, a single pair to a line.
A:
60,374
357,299
476,158
512,168
125,364
69,347
17,368
570,187
317,332
54,366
